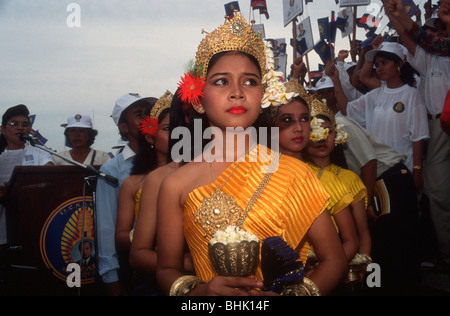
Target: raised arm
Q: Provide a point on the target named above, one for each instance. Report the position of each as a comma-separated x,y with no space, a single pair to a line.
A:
342,100
401,21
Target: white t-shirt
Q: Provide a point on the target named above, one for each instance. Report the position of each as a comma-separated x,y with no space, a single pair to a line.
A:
9,159
363,147
100,158
398,117
435,74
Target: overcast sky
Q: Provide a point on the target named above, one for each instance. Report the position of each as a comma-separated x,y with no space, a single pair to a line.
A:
120,47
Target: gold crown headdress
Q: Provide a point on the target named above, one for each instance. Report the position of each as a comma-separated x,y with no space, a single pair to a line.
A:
318,133
235,35
317,108
150,124
162,104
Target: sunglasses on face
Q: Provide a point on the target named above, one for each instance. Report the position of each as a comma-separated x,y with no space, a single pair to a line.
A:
16,124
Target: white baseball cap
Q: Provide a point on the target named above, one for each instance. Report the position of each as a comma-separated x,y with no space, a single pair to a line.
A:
324,83
122,104
349,65
78,120
389,47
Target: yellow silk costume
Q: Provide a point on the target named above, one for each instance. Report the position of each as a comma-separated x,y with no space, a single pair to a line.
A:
340,196
352,181
137,203
290,203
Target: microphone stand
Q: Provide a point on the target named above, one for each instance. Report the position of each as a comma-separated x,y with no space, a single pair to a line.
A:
90,181
89,169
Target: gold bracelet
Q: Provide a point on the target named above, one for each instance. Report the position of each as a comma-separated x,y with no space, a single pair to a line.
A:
311,287
307,288
418,168
184,285
361,259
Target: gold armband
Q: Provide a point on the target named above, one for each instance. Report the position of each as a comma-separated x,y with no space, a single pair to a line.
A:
184,286
307,288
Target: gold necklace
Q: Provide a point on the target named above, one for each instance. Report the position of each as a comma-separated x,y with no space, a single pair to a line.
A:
212,212
220,210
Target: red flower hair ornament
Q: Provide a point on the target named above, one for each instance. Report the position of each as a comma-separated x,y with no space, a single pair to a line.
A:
191,89
149,126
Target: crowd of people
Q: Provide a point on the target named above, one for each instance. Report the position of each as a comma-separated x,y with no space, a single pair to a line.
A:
356,155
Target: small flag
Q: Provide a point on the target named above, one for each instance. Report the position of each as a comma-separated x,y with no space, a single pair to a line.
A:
302,46
42,139
231,8
341,23
32,119
265,12
260,5
323,50
333,28
368,21
371,32
410,7
324,28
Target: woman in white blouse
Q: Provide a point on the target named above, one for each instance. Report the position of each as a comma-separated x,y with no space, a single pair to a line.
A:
80,136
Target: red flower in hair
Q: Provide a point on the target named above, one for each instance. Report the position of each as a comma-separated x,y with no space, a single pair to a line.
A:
191,88
149,126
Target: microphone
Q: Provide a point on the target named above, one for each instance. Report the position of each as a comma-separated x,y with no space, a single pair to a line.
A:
107,177
30,138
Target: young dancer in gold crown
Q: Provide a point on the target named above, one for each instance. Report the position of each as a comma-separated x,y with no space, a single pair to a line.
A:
293,120
260,191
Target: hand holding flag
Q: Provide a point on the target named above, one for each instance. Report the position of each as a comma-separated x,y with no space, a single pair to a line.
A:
231,8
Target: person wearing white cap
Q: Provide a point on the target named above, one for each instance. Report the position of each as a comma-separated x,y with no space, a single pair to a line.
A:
435,74
325,90
433,37
395,113
127,115
80,136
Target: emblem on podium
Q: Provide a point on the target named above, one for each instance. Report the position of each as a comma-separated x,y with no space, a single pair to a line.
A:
68,237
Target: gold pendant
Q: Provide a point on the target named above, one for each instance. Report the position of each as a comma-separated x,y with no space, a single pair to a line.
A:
217,211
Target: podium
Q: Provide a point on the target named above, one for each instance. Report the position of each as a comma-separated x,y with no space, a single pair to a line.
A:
50,217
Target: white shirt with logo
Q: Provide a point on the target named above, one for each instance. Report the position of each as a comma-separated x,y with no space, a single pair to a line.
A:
9,159
398,117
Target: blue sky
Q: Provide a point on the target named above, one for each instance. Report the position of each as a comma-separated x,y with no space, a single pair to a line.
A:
120,47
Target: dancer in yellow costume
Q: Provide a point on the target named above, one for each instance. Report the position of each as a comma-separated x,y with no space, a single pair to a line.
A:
153,144
293,120
328,135
286,201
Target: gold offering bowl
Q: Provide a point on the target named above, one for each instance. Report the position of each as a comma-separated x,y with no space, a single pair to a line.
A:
235,259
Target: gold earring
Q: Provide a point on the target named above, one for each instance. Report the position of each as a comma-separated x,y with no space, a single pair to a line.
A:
201,110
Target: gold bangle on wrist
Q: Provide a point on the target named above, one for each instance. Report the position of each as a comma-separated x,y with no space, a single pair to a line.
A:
184,285
417,168
307,288
361,259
